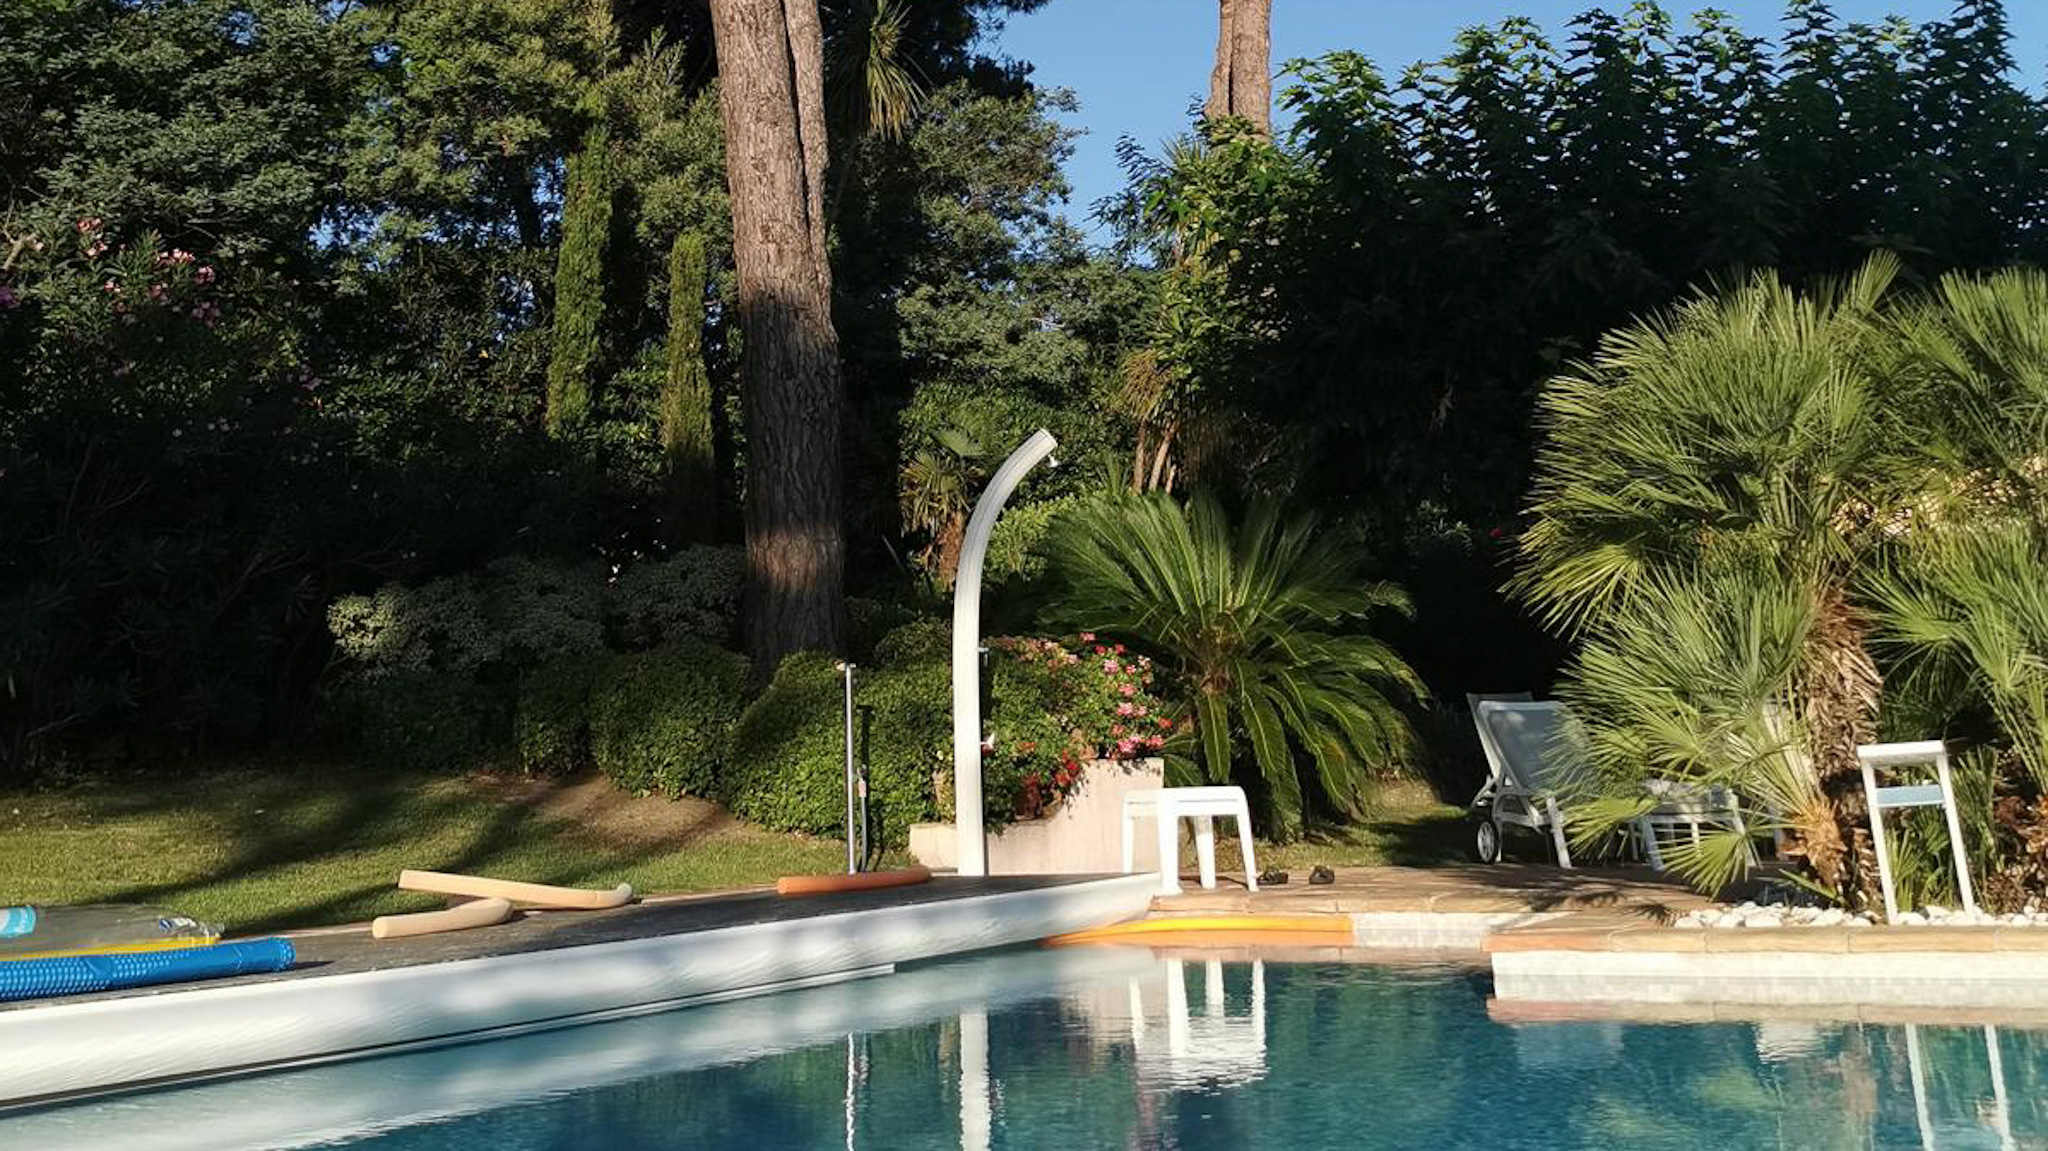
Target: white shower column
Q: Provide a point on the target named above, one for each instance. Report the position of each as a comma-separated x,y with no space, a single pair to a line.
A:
968,817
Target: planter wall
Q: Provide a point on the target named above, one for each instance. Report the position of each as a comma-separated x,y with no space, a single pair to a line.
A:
1083,835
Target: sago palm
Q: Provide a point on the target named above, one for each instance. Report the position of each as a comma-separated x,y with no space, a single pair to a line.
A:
1262,621
1743,430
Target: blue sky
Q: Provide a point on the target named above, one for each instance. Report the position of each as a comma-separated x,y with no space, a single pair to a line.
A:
1138,64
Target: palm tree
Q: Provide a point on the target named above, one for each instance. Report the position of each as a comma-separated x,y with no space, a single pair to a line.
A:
1262,621
1748,432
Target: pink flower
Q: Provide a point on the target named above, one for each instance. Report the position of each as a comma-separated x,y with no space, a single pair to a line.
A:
1087,637
1125,747
1124,709
1129,689
202,274
1119,649
1110,666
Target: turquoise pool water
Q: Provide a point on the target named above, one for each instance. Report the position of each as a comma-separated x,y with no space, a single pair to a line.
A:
1119,1048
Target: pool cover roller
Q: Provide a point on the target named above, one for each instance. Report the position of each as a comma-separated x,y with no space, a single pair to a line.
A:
82,974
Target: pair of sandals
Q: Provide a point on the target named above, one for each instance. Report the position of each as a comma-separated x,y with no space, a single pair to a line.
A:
1316,874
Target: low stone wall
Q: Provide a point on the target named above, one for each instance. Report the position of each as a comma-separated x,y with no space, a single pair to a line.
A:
1083,835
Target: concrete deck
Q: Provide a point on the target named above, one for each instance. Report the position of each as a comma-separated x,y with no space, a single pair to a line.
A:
1588,936
1635,895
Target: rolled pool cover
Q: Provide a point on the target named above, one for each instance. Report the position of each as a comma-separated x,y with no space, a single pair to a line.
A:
83,974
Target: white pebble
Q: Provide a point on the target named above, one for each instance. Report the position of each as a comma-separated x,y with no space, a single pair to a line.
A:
1829,917
1911,919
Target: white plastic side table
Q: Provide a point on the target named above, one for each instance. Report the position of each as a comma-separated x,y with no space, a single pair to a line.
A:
1169,805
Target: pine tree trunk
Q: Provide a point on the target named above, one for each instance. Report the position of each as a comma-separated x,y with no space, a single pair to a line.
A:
579,284
771,94
1241,84
686,400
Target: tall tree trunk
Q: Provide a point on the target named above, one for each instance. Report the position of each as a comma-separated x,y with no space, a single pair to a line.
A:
1241,84
686,436
772,97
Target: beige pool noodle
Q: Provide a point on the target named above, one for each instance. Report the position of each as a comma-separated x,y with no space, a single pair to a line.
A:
532,894
476,913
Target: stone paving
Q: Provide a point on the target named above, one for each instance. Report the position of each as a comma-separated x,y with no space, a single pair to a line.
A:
1637,895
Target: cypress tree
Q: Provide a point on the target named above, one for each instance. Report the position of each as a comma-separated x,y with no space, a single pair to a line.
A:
686,394
579,283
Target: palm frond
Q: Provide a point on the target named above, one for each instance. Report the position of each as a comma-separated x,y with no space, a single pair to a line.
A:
1260,619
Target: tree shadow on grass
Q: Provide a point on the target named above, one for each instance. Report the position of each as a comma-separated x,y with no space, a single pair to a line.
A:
274,831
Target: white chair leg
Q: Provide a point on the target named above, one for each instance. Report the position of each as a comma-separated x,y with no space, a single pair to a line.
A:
1244,846
1205,850
1564,851
1169,849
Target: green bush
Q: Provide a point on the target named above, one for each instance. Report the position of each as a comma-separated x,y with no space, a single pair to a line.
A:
788,761
518,612
551,724
920,641
660,720
432,720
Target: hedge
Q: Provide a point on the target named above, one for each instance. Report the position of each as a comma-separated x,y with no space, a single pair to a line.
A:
788,761
437,721
551,724
661,721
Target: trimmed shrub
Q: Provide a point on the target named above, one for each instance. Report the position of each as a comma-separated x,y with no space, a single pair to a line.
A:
788,761
551,724
438,721
660,721
921,641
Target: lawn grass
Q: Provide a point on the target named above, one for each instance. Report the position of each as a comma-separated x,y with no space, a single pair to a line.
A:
261,850
1407,827
266,848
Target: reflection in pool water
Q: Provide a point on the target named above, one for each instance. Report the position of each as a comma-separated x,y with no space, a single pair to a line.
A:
1117,1047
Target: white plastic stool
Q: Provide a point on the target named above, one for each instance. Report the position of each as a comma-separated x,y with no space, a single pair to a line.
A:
1168,805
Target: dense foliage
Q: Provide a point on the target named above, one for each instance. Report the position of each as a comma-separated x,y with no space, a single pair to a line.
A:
1784,525
1360,312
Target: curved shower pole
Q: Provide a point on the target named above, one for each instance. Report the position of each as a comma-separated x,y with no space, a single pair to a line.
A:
968,818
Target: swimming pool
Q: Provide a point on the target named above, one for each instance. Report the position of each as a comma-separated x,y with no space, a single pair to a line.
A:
1118,1047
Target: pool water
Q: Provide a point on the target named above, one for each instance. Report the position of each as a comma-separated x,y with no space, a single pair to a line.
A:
1121,1048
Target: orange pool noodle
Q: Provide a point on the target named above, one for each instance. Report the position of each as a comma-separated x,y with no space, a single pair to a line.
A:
462,917
863,881
531,894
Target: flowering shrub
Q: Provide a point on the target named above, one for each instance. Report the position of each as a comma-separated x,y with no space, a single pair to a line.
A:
1059,705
